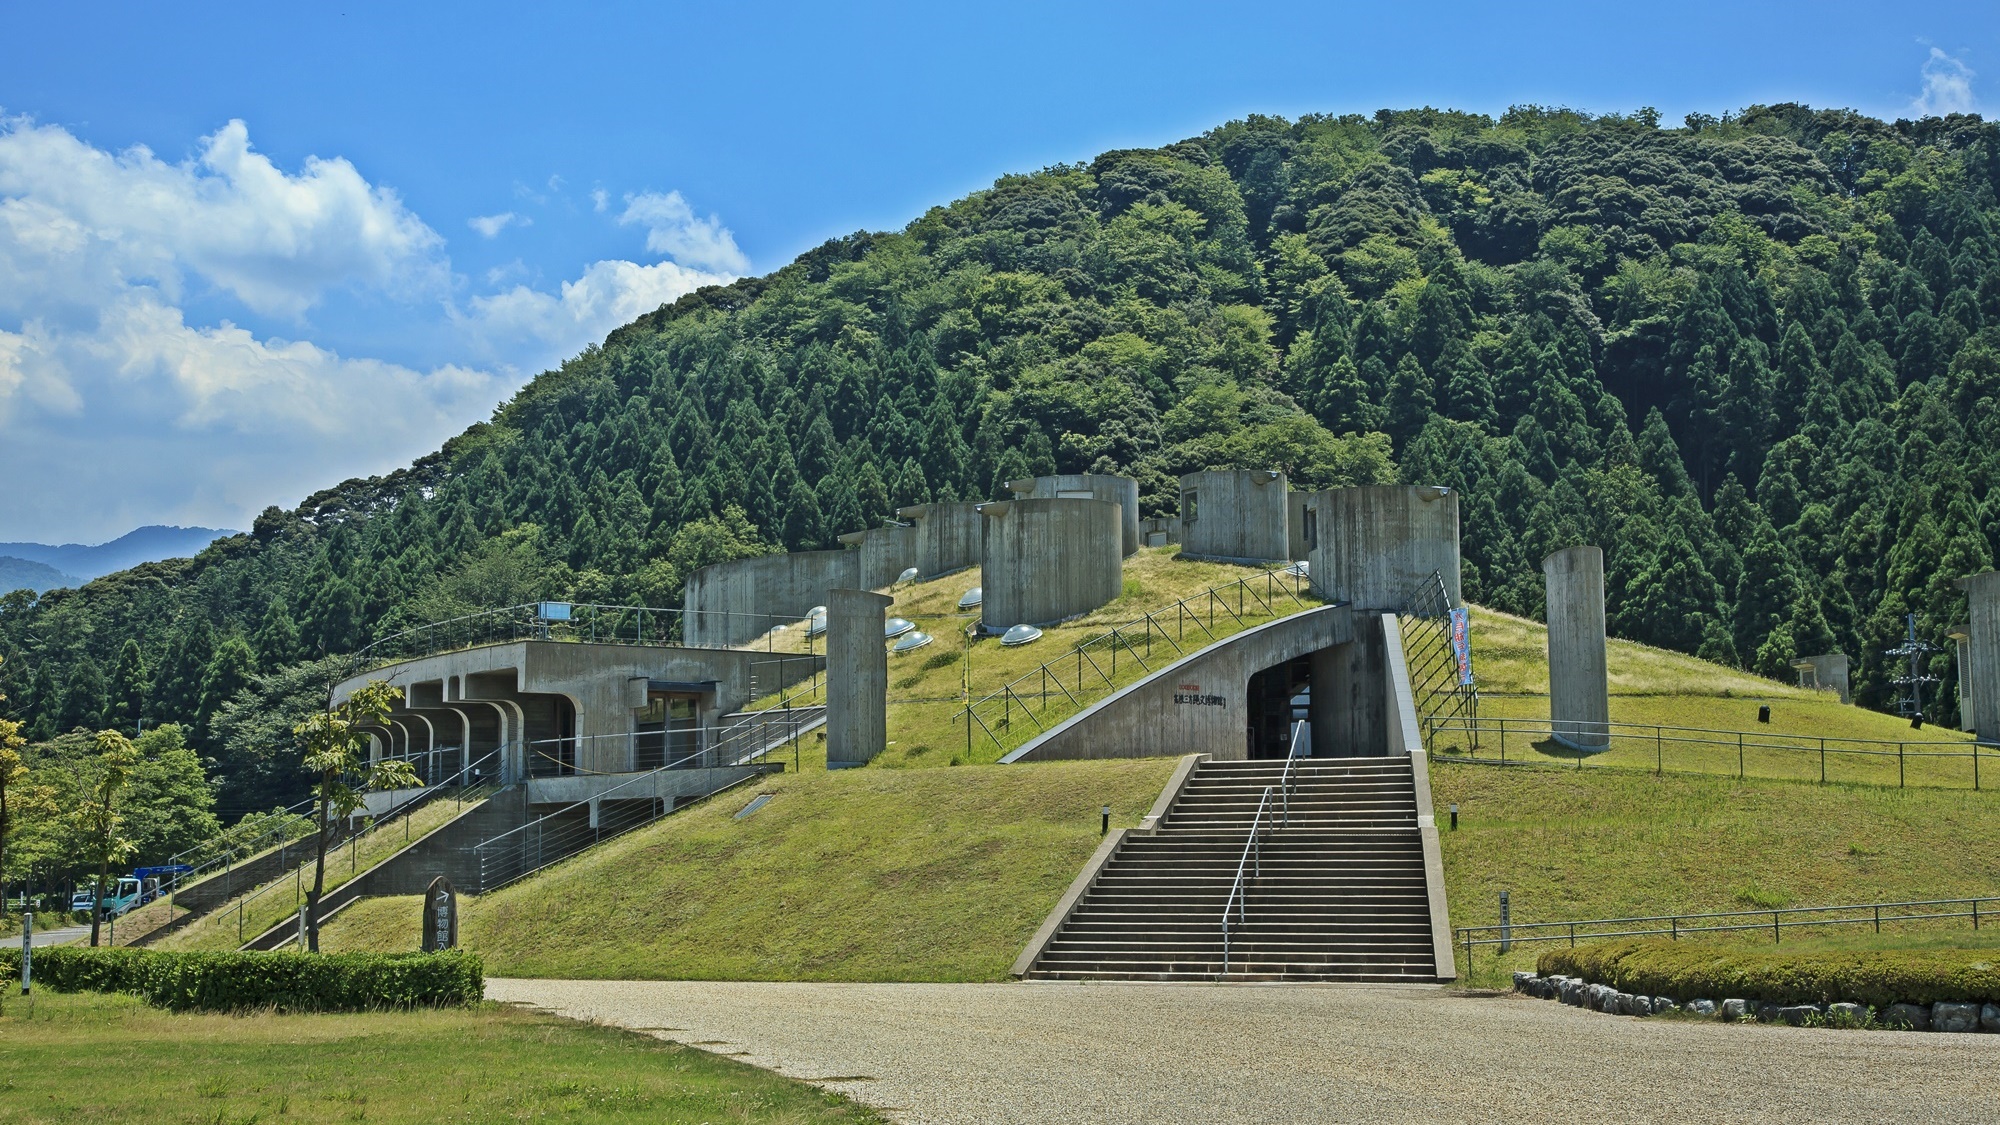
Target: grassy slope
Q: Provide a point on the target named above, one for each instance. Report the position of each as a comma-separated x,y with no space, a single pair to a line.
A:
264,908
854,875
929,687
111,1058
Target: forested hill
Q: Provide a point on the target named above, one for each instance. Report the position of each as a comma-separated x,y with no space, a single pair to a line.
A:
1754,358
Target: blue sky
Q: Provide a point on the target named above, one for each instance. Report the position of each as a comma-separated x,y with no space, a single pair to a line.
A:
246,252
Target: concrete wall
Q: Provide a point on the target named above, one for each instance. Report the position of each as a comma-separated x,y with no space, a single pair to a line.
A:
1406,737
948,536
1298,546
1982,594
1239,516
1378,543
886,552
732,603
1963,635
1045,561
1827,671
857,677
1579,682
1345,709
1199,704
1122,491
1159,531
604,682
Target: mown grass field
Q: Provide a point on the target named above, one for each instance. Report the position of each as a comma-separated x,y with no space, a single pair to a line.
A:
867,875
929,687
97,1058
1609,843
265,906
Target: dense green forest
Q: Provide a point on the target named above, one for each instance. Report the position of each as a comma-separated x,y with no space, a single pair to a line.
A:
1755,358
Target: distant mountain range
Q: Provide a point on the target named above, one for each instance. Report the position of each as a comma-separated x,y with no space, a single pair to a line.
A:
40,566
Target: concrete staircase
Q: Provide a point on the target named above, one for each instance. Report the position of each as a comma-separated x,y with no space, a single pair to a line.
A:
1341,896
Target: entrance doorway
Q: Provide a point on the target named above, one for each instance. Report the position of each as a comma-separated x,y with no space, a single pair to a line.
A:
1276,702
667,731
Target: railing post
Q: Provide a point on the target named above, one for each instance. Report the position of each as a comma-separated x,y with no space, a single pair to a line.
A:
1900,747
1659,753
1822,761
1739,755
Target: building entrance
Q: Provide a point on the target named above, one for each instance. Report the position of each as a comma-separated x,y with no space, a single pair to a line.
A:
1277,699
667,731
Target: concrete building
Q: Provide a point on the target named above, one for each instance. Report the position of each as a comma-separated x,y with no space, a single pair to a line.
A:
1579,683
1962,634
1045,561
1234,515
1376,545
949,536
1159,531
532,710
733,603
1825,672
1122,491
886,552
1300,525
1982,653
857,678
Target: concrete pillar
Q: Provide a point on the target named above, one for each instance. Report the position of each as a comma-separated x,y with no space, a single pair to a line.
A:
1982,595
1579,685
1379,543
857,677
1963,635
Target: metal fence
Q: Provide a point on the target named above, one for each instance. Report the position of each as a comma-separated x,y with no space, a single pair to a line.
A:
754,736
1148,643
1955,764
1773,921
571,621
1435,678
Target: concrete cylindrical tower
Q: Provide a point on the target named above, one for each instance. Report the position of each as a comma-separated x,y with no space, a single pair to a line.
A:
1963,635
1579,684
1045,561
1982,672
886,552
1829,672
1122,491
1235,515
857,678
732,603
948,536
1378,544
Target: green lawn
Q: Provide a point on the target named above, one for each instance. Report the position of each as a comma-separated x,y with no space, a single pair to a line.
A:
1610,843
95,1058
934,875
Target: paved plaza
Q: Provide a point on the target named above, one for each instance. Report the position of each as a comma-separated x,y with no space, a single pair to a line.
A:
1205,1055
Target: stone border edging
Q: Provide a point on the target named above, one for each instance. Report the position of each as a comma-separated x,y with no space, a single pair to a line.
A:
1944,1015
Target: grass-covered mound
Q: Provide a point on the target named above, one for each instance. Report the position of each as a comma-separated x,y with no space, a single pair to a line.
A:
925,875
1776,975
1605,844
88,1057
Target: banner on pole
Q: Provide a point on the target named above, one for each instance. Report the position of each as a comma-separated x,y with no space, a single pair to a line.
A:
1461,643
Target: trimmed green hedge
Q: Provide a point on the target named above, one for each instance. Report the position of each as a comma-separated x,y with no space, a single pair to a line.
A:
288,982
1690,970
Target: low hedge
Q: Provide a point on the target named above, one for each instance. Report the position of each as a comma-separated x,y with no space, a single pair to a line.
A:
1690,970
288,982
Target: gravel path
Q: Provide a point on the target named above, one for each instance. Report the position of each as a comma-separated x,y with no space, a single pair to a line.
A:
1205,1055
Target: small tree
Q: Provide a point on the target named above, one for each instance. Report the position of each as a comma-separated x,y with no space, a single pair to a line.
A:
13,775
336,751
97,820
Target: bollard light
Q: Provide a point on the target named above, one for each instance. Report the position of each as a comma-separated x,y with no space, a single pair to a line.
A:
1454,818
1764,713
1105,828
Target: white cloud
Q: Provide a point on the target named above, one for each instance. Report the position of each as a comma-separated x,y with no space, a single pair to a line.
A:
599,199
490,226
673,229
275,242
1947,86
531,323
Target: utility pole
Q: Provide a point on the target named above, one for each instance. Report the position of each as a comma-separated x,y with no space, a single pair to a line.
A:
1912,681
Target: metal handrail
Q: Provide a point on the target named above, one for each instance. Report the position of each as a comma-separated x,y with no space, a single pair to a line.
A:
1290,776
1571,931
1283,580
1239,893
525,622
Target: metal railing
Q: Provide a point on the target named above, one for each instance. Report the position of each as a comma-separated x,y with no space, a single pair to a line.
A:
1742,754
1092,664
553,837
468,779
575,621
226,848
1253,858
1435,677
691,747
1677,926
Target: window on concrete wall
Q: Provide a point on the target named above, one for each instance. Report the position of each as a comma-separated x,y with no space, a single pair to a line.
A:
1311,530
1190,506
